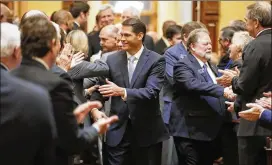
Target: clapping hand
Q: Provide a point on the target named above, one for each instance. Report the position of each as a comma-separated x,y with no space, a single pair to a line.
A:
253,113
265,101
226,78
228,93
82,110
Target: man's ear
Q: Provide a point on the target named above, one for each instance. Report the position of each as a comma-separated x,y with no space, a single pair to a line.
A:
140,36
17,53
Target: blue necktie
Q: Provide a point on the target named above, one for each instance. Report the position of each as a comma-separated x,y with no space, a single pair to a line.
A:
206,74
131,67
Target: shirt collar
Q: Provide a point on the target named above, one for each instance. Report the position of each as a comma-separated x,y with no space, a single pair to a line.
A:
5,66
138,54
166,41
41,61
77,23
201,63
262,31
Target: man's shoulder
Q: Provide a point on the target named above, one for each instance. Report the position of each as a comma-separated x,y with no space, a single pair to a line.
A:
39,76
26,90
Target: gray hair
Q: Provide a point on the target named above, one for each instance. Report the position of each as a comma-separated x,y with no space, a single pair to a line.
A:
134,11
260,11
10,39
105,7
194,36
241,39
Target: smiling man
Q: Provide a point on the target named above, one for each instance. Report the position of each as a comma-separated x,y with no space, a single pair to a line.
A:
136,77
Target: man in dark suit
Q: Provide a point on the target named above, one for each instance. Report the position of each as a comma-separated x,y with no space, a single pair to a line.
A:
136,77
163,44
199,102
38,57
27,126
172,55
254,79
80,12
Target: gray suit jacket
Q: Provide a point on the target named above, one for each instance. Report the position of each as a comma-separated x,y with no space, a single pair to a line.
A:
86,70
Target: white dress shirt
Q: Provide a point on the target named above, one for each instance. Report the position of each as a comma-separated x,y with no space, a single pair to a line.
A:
208,69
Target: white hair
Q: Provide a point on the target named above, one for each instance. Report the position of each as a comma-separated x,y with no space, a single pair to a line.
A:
241,39
134,11
10,39
105,7
35,13
57,27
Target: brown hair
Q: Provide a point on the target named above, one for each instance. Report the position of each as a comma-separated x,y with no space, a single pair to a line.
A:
37,32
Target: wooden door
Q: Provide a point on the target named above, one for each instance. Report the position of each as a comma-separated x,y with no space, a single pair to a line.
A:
207,12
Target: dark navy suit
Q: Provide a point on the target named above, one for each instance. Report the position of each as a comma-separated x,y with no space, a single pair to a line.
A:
172,56
140,122
266,119
27,125
198,110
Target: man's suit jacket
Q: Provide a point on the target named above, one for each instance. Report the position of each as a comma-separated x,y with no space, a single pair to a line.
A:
70,139
94,43
27,126
142,103
160,47
172,56
199,102
86,70
266,119
64,75
149,43
254,79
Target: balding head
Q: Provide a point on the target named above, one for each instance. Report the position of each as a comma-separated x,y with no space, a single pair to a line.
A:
108,38
5,13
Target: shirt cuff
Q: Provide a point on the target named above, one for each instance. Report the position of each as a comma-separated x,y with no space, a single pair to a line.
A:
96,127
125,95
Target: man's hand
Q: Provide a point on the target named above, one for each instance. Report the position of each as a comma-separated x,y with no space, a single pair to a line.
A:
228,94
226,78
77,59
268,94
103,124
82,110
230,106
253,114
97,115
91,89
264,102
111,89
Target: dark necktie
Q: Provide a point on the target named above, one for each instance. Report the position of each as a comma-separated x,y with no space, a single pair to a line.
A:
206,74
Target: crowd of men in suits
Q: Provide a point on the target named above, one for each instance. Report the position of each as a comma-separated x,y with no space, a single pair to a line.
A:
62,89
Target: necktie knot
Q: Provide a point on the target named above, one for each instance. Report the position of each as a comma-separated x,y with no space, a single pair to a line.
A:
131,59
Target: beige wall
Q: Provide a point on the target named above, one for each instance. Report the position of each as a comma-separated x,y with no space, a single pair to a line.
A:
230,10
46,6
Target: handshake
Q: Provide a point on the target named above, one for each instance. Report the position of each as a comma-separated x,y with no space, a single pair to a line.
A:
228,94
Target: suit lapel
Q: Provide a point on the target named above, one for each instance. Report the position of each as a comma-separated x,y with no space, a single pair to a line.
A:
124,68
140,65
214,69
196,64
